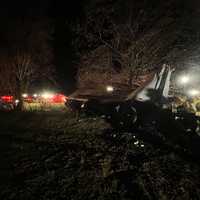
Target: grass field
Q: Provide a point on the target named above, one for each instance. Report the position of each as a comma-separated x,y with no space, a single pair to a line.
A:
59,155
45,106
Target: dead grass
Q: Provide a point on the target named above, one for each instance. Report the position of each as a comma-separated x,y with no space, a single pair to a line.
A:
59,155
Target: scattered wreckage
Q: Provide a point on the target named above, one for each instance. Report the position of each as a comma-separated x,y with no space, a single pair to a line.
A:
143,106
149,112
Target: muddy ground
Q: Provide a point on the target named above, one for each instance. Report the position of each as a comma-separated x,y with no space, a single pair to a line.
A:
59,155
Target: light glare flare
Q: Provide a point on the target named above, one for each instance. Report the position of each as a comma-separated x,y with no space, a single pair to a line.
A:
109,89
184,79
47,95
24,95
17,101
193,92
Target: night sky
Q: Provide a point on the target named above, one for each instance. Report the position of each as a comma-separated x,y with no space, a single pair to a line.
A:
62,14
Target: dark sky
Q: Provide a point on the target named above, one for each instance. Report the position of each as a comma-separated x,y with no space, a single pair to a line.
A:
61,13
52,8
64,14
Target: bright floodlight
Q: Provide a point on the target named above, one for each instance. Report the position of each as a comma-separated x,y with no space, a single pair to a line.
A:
47,95
24,95
184,79
109,89
17,101
35,95
193,92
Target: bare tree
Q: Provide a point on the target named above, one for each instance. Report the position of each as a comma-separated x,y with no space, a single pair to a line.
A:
30,58
7,79
140,35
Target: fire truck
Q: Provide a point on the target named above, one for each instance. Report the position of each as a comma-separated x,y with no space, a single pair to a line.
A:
8,102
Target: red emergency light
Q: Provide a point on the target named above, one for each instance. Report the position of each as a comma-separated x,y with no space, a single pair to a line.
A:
7,99
53,98
58,98
28,99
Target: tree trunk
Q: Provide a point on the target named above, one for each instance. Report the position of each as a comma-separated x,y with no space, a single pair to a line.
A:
130,81
20,105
